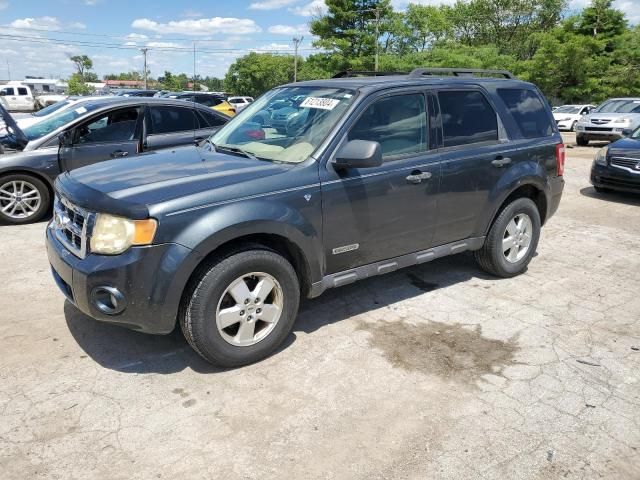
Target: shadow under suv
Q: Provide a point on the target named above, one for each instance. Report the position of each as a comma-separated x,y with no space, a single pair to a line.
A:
375,173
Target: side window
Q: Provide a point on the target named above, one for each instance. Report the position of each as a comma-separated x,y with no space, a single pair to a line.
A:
528,111
8,91
172,119
210,119
398,123
115,126
22,91
467,118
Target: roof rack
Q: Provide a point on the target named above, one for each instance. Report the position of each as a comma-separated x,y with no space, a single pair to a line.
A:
460,72
364,73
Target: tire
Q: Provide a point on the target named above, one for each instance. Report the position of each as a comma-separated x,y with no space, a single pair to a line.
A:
492,257
27,209
209,294
582,141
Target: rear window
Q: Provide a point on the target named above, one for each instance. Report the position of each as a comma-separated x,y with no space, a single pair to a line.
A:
528,111
467,118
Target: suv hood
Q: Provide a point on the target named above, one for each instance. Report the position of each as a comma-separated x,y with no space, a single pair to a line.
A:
610,116
131,186
18,140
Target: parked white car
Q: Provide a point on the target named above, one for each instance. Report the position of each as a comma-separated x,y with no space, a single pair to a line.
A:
612,120
567,116
240,103
18,97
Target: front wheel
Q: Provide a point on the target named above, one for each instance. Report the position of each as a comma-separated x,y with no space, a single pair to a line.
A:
241,308
582,141
512,240
23,199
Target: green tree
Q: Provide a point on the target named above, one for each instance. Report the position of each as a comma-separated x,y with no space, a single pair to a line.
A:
255,73
601,20
77,86
82,63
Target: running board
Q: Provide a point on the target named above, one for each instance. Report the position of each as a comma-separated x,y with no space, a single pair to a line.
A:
386,266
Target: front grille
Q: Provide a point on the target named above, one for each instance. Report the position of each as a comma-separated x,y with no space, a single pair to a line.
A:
599,121
70,225
632,164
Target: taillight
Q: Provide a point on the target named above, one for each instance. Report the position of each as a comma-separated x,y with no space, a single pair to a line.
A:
560,157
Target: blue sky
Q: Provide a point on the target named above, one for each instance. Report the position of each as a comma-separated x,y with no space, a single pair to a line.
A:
52,30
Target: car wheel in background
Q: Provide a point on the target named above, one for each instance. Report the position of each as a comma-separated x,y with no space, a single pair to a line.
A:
581,140
241,306
512,240
23,199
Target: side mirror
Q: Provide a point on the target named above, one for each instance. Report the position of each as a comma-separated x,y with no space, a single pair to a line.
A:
2,93
64,139
359,154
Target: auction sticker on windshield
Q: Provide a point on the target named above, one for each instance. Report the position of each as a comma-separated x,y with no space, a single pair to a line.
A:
320,102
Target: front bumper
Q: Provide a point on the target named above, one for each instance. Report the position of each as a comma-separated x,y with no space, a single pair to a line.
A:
614,178
566,125
600,133
146,277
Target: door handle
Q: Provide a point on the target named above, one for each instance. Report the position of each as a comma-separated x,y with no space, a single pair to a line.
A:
417,176
501,161
119,154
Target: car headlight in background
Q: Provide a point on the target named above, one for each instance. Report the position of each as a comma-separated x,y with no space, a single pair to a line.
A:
625,121
564,119
113,235
601,156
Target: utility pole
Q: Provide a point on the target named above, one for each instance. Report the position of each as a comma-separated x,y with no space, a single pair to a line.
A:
377,12
8,71
296,42
144,53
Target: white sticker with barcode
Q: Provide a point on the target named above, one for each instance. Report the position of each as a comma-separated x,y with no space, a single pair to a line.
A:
320,102
81,110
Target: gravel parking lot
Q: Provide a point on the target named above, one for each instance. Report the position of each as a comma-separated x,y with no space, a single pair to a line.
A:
434,372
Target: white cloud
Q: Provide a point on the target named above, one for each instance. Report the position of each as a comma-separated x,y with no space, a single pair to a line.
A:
136,36
201,26
91,3
289,29
271,4
130,44
631,8
48,23
164,45
273,47
4,5
316,7
77,25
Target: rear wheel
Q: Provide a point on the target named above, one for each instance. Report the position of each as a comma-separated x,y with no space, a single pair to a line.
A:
581,140
23,199
242,307
512,240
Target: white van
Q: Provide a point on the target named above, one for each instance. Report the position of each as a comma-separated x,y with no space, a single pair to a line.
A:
18,97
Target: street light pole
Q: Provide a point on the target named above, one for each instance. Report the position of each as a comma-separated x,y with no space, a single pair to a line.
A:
377,12
296,41
144,53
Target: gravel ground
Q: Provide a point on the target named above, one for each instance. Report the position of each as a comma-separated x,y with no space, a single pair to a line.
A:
435,372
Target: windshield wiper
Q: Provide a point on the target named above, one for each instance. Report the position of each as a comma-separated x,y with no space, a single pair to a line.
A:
235,150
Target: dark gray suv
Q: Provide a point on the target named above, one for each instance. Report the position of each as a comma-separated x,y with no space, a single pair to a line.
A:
375,174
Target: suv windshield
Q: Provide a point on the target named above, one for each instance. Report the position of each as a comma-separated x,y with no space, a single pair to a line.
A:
285,124
619,106
567,109
57,120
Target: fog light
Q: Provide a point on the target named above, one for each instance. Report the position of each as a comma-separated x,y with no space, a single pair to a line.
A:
108,300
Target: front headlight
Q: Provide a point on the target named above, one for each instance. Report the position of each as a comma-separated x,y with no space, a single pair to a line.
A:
601,156
113,235
564,120
625,121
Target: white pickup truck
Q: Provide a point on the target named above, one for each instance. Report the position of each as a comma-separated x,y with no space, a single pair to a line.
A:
18,97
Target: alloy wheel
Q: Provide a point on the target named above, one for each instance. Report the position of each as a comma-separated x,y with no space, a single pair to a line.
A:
19,199
517,238
249,309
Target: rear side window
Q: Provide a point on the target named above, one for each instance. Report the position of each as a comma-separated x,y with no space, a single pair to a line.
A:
528,111
8,91
210,119
398,123
467,118
172,119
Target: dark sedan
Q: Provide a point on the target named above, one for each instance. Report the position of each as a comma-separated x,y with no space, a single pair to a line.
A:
104,129
617,166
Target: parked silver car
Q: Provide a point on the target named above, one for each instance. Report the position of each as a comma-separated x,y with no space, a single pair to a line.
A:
611,120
